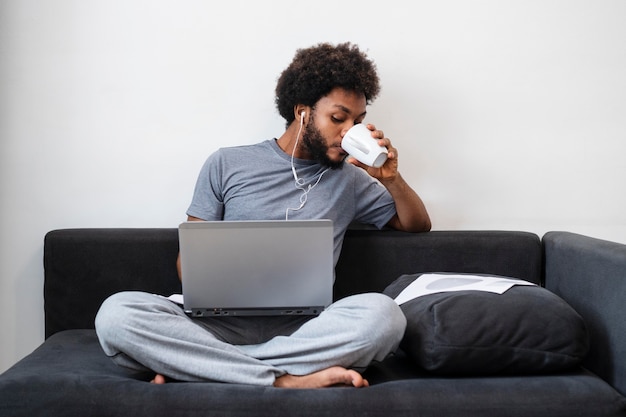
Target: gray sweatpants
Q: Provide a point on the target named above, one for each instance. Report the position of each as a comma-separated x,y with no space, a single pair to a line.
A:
145,332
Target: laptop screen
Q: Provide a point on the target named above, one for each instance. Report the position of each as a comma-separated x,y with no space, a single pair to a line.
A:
268,267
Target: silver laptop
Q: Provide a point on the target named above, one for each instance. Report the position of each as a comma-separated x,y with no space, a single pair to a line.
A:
239,268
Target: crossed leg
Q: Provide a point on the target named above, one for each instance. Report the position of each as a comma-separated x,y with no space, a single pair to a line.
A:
350,333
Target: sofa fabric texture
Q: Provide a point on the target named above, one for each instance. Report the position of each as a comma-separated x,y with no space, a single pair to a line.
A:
590,274
69,375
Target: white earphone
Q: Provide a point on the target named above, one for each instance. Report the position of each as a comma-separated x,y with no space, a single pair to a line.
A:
299,182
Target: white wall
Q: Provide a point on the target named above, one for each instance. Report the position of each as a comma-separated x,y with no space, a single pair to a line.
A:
507,114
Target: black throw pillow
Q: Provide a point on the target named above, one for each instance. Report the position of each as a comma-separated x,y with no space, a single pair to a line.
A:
527,329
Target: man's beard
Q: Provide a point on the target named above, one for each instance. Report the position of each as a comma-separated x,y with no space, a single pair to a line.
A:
315,145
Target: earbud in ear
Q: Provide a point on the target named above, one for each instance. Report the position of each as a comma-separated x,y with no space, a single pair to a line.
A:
302,114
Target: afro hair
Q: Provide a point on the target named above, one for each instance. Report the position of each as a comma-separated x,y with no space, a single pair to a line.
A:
316,71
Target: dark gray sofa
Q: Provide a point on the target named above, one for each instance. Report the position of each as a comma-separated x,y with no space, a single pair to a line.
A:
68,375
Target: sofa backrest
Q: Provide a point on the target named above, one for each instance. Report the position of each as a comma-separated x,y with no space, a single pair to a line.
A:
84,266
372,259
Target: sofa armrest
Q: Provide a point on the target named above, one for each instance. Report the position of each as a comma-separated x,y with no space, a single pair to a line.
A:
590,274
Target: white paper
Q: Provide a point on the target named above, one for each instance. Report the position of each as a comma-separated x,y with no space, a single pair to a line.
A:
433,283
175,298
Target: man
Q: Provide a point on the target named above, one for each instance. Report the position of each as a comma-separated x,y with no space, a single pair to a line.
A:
301,175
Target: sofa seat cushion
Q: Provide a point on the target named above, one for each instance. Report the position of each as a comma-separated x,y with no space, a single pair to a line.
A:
525,330
69,375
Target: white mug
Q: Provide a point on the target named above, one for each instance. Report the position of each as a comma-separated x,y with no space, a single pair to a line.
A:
360,144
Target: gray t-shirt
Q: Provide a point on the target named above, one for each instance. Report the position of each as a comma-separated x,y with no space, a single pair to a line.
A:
255,182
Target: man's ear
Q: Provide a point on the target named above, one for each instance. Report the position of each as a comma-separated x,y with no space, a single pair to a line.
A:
301,114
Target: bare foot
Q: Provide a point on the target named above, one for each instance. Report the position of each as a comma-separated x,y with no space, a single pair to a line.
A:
324,378
158,379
